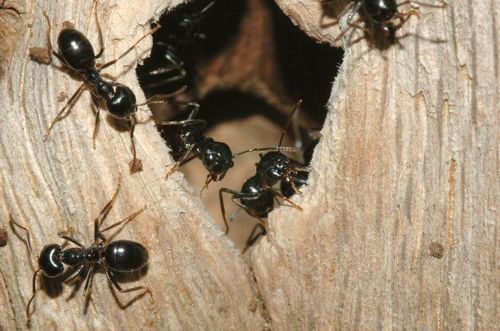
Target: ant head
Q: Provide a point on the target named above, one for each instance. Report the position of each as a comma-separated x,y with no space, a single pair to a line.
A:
217,159
123,103
50,261
275,166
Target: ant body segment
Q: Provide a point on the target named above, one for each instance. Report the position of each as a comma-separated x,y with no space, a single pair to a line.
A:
257,195
186,142
77,54
383,18
115,257
175,47
301,177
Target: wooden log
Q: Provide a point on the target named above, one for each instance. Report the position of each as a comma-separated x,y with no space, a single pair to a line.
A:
399,228
199,280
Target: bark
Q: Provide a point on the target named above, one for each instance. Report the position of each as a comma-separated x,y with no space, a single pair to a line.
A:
408,164
399,222
198,278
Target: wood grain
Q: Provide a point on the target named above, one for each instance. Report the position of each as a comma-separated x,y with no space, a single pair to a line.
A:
198,278
409,157
399,227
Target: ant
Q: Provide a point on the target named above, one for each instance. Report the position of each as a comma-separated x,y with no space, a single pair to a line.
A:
115,257
257,195
301,177
186,142
383,17
175,45
77,54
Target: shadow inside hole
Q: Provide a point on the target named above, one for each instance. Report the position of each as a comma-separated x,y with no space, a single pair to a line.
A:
307,68
186,39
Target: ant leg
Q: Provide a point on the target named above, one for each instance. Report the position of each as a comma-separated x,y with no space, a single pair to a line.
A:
182,73
208,180
133,289
252,238
135,164
403,17
183,160
49,42
236,195
222,208
156,28
67,108
125,220
99,32
160,98
68,235
97,113
442,5
28,240
32,295
88,282
289,120
105,211
281,196
74,274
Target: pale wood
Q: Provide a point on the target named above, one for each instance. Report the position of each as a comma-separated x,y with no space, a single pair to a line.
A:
408,162
199,279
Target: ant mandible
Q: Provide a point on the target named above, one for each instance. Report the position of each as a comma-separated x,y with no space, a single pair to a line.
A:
115,257
381,15
257,196
77,54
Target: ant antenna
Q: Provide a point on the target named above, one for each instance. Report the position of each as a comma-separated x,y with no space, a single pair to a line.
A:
297,106
207,7
28,239
263,149
30,248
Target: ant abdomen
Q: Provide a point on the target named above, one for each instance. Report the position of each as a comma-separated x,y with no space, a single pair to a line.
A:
50,261
125,256
122,104
76,50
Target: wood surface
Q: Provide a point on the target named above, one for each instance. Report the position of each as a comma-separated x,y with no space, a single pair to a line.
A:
199,280
399,222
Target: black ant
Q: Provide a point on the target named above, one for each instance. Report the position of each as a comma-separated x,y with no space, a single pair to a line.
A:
115,257
257,195
383,17
174,47
300,179
77,54
186,142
